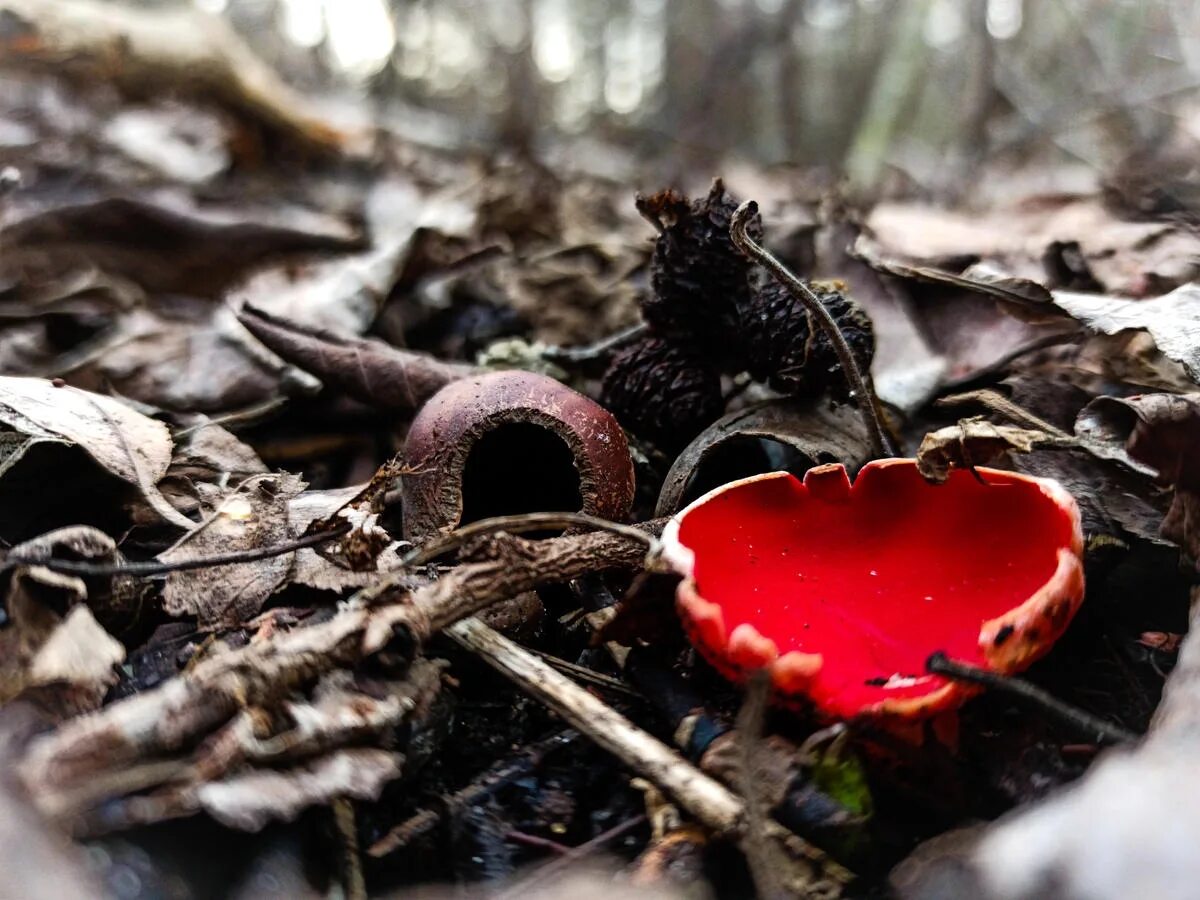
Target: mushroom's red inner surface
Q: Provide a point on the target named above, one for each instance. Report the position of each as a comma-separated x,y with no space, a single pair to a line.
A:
878,581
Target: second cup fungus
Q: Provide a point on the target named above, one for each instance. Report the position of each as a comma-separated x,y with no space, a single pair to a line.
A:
844,590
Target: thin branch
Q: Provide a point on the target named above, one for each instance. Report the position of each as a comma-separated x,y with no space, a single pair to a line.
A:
152,567
518,524
997,403
556,867
180,711
706,799
863,395
589,352
1101,729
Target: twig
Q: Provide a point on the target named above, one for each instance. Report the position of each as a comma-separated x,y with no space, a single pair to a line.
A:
762,854
996,402
518,524
182,710
1093,726
595,350
155,567
537,842
586,675
710,802
557,867
347,829
1000,366
863,395
706,799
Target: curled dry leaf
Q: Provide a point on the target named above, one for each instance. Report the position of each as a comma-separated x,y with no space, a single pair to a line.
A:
338,714
355,559
815,431
380,375
252,517
51,637
181,51
133,447
1173,320
1161,431
978,442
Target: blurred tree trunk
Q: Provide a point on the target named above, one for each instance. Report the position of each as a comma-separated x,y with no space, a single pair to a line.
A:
791,86
517,130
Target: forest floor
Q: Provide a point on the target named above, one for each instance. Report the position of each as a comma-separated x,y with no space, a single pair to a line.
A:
335,475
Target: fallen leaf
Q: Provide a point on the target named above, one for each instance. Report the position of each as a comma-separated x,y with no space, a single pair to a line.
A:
1131,258
355,559
254,516
51,637
166,249
1161,431
812,431
978,442
133,447
1173,320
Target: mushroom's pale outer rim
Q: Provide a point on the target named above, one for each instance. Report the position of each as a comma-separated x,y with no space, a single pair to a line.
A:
1032,627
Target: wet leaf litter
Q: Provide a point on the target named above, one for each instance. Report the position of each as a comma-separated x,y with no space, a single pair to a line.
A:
416,526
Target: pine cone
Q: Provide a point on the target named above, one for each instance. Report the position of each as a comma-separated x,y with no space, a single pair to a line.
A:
788,349
698,277
662,392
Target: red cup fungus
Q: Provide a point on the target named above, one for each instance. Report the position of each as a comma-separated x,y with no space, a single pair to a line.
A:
845,590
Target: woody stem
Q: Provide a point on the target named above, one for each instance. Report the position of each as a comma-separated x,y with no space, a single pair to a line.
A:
863,395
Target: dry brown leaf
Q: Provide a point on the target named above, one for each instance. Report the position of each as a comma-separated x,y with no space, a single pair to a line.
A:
134,447
40,646
1173,320
1161,431
369,547
977,442
1132,258
253,516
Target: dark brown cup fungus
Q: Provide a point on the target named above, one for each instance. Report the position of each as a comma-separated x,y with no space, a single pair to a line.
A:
843,591
512,442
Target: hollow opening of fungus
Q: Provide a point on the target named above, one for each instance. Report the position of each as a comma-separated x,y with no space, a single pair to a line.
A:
516,468
877,579
741,456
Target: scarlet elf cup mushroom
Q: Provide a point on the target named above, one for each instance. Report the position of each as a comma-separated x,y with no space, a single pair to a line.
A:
843,590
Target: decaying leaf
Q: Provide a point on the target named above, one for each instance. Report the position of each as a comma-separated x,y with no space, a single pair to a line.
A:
977,279
1173,320
387,378
165,248
182,49
131,446
1126,257
51,637
254,516
742,443
1161,431
978,442
354,559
